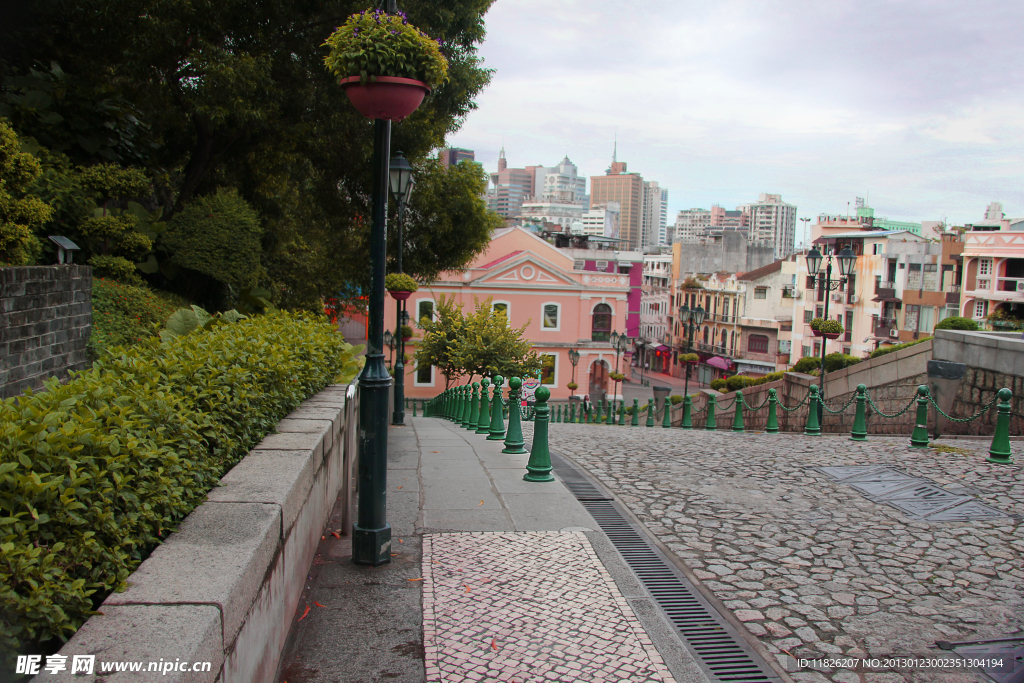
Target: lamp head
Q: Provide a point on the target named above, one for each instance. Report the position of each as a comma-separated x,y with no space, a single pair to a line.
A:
614,339
813,261
698,315
400,173
389,339
847,259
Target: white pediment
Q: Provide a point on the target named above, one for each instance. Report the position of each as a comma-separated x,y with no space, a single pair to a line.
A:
525,271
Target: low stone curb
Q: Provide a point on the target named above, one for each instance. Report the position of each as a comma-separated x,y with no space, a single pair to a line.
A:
225,586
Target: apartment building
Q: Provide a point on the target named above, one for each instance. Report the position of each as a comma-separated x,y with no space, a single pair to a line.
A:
690,225
654,223
626,189
772,219
993,267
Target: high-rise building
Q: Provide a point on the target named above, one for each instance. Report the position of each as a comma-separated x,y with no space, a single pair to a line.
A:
653,224
691,224
512,187
626,189
729,220
601,221
561,184
773,220
453,155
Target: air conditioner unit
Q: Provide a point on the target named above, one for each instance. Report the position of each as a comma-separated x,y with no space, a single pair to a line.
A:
837,297
1020,285
894,333
602,266
854,299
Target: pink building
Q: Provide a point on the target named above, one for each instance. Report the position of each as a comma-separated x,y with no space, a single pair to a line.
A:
564,306
993,267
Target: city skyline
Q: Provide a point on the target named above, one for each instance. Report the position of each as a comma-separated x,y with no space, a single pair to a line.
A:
920,113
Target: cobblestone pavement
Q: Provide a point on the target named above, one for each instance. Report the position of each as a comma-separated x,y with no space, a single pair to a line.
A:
531,606
810,566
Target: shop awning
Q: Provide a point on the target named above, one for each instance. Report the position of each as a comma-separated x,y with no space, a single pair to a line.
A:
720,363
662,347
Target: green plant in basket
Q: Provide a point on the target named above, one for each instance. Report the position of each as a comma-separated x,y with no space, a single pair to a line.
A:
572,386
372,44
816,323
400,282
689,357
831,326
616,376
406,332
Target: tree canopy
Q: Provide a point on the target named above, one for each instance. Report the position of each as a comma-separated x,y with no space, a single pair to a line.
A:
209,96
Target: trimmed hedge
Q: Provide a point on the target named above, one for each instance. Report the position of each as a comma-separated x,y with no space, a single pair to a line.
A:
95,472
896,347
742,382
957,323
123,315
806,364
838,361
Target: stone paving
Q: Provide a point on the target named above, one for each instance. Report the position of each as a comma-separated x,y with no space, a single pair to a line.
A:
809,566
525,607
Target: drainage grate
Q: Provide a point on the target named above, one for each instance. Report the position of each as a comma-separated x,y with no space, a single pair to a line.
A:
1008,655
585,491
914,496
718,649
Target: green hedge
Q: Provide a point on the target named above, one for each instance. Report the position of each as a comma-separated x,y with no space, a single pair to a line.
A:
95,472
742,382
838,361
123,315
957,323
896,347
806,364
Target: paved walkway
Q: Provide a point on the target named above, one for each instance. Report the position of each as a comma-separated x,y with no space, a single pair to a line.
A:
493,579
811,566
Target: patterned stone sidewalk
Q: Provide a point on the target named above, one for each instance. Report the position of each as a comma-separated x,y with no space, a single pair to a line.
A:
526,607
812,567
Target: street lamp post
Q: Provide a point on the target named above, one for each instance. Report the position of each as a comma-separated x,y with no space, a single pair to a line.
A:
402,182
619,343
691,319
389,341
846,260
371,534
574,358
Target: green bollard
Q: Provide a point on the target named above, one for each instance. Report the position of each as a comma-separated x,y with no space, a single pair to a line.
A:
737,417
812,428
539,466
919,437
666,421
474,408
860,422
712,421
483,425
497,427
999,452
687,422
650,413
622,412
572,413
414,408
558,416
635,422
468,403
514,437
773,419
607,412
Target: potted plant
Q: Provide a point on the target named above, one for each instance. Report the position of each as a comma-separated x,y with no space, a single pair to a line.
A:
816,326
572,386
616,376
831,329
386,65
406,333
689,358
400,285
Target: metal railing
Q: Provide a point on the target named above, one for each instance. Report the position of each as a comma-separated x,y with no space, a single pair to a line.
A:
470,407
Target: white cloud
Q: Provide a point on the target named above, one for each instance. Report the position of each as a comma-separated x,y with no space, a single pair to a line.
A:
918,102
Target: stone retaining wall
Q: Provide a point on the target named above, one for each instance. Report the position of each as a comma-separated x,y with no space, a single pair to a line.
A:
45,320
225,586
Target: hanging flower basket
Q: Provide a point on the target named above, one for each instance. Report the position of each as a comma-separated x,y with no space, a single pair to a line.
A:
386,65
817,333
831,335
400,285
406,330
830,329
389,98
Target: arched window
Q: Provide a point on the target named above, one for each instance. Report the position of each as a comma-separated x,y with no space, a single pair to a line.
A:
706,334
732,341
725,336
601,323
757,343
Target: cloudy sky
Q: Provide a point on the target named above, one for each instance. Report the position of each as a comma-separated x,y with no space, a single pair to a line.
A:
918,102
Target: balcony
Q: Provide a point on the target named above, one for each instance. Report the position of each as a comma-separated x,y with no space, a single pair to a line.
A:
883,326
952,294
885,289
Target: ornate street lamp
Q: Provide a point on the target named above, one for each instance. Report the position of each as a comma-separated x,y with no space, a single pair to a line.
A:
619,343
402,182
692,320
389,341
845,260
574,358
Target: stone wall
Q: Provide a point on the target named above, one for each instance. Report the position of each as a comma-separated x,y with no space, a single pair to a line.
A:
45,321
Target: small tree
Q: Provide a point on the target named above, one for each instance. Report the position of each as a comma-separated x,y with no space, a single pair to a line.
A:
488,346
440,336
21,213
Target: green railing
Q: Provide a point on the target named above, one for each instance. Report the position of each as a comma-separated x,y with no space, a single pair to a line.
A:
470,407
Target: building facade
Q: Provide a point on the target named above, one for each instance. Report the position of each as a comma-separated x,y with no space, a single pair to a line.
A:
627,190
772,219
654,223
511,187
690,225
453,155
993,268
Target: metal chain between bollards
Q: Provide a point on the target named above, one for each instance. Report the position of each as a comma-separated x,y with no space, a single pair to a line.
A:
841,410
879,410
695,413
964,420
763,403
724,409
796,407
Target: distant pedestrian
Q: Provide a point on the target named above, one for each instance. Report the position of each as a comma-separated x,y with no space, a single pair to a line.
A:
586,404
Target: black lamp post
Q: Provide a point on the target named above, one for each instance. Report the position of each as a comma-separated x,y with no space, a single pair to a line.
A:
402,183
692,320
846,260
574,358
371,535
619,343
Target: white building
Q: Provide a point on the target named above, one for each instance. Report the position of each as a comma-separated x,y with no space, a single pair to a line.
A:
601,221
550,212
654,217
771,219
561,184
691,225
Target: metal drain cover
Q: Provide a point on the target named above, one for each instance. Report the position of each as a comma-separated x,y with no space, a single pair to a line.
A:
914,496
1008,655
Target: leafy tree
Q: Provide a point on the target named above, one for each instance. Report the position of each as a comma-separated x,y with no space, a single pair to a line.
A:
21,213
489,347
235,94
440,338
